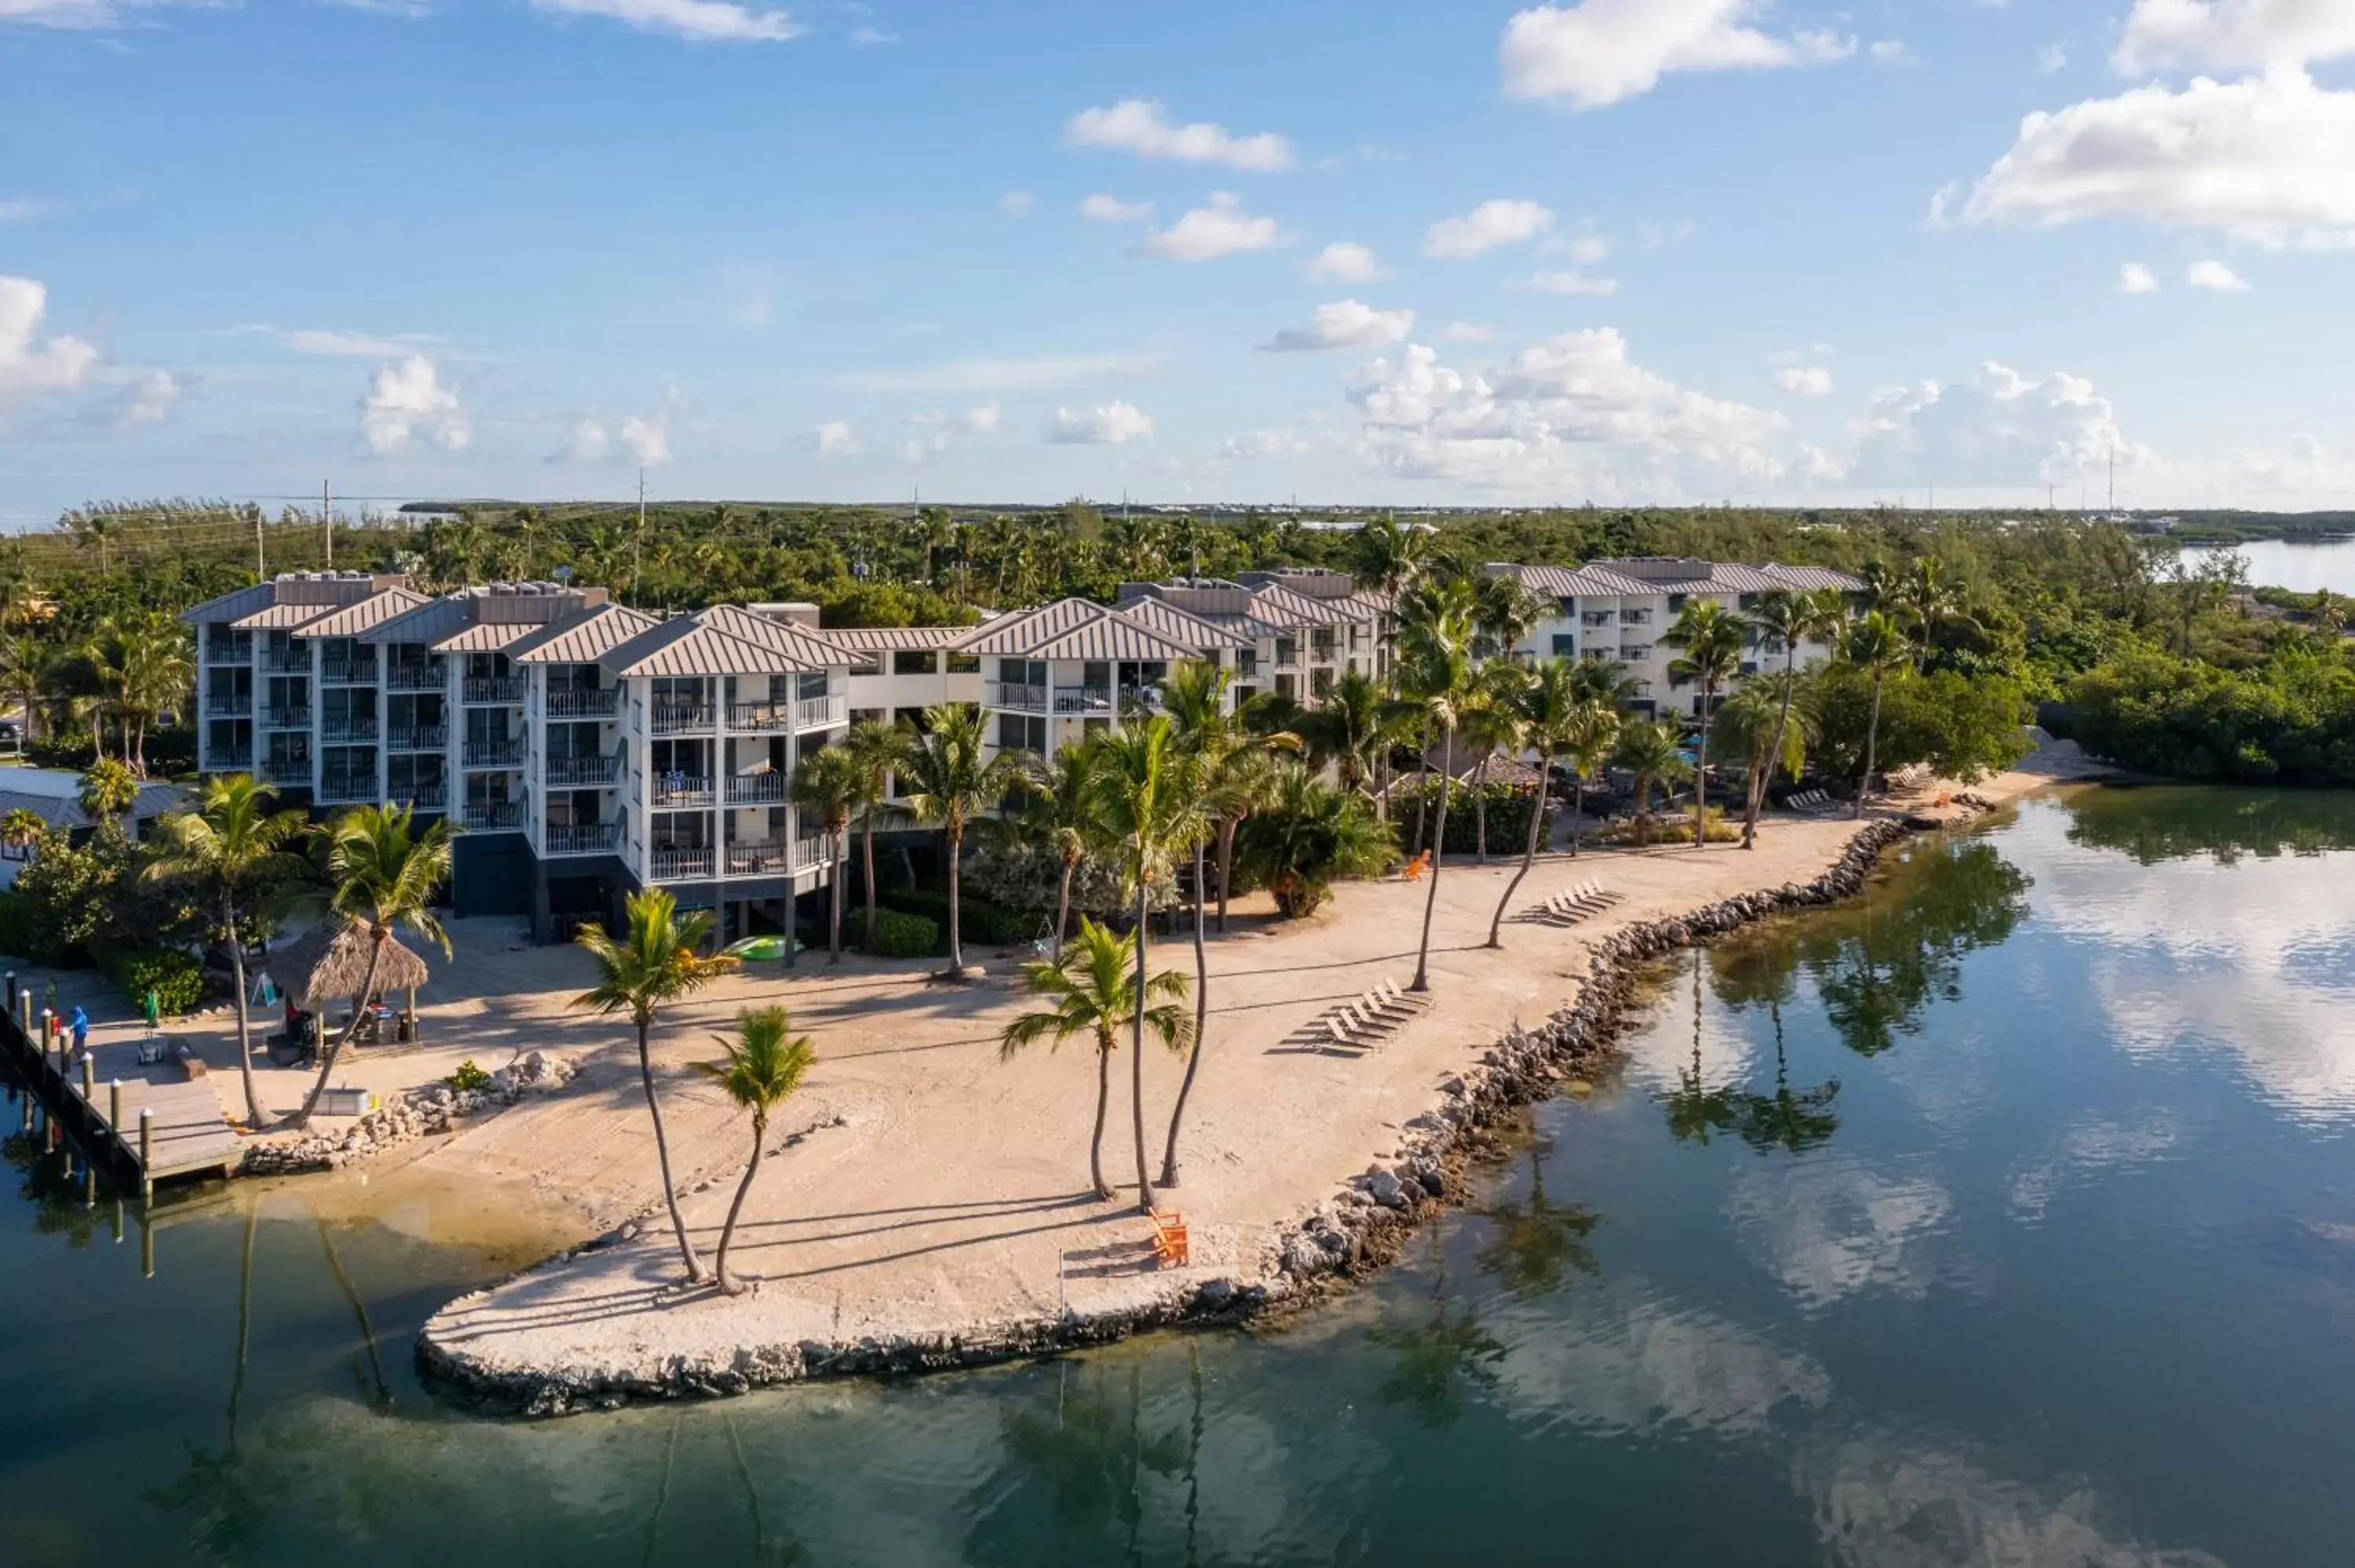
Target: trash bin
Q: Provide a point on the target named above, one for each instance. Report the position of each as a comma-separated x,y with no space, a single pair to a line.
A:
407,1032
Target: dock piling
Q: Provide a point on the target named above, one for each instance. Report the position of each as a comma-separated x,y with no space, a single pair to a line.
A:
88,1080
146,1155
114,1105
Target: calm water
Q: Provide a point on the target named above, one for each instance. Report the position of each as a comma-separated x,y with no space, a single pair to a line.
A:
2278,563
2006,1216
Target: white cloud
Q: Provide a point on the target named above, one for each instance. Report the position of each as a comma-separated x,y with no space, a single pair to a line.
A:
986,421
1830,1229
1265,444
2215,276
1892,52
20,208
1997,430
1345,323
1572,413
1572,281
1221,228
30,363
1110,425
1003,374
1586,250
1015,204
2270,159
868,36
585,442
1467,332
336,341
645,440
1343,262
837,438
2051,57
698,21
1486,227
1144,127
1602,51
407,402
1112,209
66,15
648,439
146,400
2232,34
1805,381
2134,277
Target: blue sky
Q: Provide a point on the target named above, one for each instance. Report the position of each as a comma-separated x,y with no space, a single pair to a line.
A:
1398,253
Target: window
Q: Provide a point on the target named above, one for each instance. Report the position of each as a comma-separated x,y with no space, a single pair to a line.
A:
915,662
965,665
813,685
1748,602
1564,646
1676,602
1022,732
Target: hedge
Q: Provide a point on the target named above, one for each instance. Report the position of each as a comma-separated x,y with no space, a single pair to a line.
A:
176,977
899,934
1508,815
980,921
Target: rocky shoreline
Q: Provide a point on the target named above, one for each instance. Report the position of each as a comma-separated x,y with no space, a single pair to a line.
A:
1363,1227
420,1113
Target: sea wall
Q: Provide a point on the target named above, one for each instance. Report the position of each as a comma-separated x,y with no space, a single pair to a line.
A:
417,1113
1361,1228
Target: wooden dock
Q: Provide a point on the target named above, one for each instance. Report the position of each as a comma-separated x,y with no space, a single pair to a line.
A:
149,1127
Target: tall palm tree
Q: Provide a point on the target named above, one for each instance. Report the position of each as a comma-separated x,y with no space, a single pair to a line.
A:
1587,744
108,789
1352,728
1149,799
1711,640
830,785
766,1061
658,959
1876,645
1654,752
1789,620
1927,600
1390,555
1436,672
1492,722
1092,989
950,780
1058,813
230,843
1766,727
878,744
1544,710
155,674
22,827
381,876
1503,613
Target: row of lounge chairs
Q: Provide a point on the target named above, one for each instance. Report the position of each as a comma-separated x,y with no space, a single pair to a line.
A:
1812,803
1912,778
1569,907
1365,1023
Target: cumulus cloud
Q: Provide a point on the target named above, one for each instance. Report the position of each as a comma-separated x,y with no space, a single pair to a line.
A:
2051,57
1343,262
406,403
2233,34
1834,1228
148,399
1602,51
986,421
1997,430
698,21
1467,332
30,363
1144,127
1570,282
642,440
1892,52
1221,228
837,438
1112,209
1110,425
1265,444
1805,381
2217,277
2270,159
1345,323
2134,277
1486,227
586,441
336,342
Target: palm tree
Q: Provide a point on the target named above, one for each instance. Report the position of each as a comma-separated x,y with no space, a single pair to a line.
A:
155,674
1435,659
1790,619
1654,752
1492,722
1307,834
1503,613
1545,710
1149,800
1058,813
1092,989
1390,556
765,1065
1875,644
109,791
231,841
950,780
22,827
830,785
381,876
1766,725
657,960
1587,744
1928,601
1352,728
1711,640
878,746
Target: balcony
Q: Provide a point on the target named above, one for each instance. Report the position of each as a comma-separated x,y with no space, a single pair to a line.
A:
344,786
1018,696
420,737
676,790
756,790
430,797
347,673
679,718
287,770
760,857
487,690
1320,651
580,838
1634,652
668,865
229,705
579,703
761,718
1595,619
816,713
1101,700
507,753
415,677
1635,617
356,730
582,772
493,816
286,718
287,659
236,650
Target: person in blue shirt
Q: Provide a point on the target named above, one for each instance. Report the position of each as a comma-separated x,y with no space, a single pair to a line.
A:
79,1024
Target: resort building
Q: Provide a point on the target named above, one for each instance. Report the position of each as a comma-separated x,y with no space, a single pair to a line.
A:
1300,630
1052,675
1616,610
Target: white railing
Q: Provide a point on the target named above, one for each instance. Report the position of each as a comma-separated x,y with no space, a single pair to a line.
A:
1020,695
583,771
292,660
229,705
414,677
814,713
580,838
672,789
493,816
756,788
420,737
492,689
347,673
348,731
579,703
678,864
287,718
761,717
492,752
679,718
760,857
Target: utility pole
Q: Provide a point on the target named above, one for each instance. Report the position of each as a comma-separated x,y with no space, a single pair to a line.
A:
260,555
327,518
638,542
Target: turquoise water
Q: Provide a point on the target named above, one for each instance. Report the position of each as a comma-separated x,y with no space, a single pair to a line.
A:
2006,1215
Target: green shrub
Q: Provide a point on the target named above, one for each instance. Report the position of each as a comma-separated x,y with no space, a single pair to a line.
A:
1670,827
176,977
1508,815
467,1077
980,920
899,934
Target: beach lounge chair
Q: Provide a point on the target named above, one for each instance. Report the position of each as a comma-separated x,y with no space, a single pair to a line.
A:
1388,989
1373,1005
1170,1248
1340,1033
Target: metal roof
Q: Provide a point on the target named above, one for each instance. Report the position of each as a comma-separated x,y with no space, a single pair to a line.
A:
687,645
301,595
503,612
229,606
1812,577
1273,601
894,639
807,648
66,812
374,610
1612,579
581,639
281,616
1206,633
1075,629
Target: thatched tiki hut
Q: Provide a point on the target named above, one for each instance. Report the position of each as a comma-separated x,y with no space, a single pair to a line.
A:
330,962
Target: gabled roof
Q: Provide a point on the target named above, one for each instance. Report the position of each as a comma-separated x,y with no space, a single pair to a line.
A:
895,639
1609,579
281,616
478,619
689,646
583,637
374,610
303,594
65,812
1812,577
1206,633
1281,605
1074,629
809,650
230,605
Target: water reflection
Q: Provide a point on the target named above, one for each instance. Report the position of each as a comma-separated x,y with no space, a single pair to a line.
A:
1534,1239
2168,822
